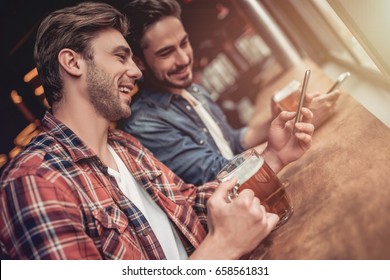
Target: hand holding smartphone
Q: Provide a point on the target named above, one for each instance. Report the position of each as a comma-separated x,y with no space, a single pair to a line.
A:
301,98
339,81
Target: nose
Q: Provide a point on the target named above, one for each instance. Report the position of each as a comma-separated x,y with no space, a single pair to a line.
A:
182,57
133,71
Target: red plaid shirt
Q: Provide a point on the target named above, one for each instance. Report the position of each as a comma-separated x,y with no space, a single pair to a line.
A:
59,202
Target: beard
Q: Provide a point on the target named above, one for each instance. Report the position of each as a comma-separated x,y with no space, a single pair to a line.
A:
101,91
160,82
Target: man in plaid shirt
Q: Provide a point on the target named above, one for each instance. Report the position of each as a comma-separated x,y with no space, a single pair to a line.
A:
81,190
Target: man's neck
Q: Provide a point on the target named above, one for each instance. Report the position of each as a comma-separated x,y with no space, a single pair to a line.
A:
90,127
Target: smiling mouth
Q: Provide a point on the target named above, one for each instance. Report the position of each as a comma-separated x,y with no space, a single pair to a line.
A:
182,70
125,90
182,73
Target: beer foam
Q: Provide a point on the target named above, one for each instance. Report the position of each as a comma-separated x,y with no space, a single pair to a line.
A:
286,91
246,170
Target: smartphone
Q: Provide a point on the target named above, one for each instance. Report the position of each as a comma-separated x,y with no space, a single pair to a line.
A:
339,81
301,98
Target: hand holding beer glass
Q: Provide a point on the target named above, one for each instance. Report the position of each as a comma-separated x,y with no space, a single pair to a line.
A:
252,172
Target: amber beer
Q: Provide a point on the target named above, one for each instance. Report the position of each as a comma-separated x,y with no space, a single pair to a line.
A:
252,172
290,102
287,98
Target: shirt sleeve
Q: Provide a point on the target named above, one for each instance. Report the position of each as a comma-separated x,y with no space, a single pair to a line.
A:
42,221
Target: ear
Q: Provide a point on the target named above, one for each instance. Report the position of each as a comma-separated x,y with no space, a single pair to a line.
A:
70,62
140,63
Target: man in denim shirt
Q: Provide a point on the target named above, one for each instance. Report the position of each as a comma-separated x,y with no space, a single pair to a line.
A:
173,117
169,126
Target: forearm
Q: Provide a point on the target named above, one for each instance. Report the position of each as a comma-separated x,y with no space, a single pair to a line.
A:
256,135
272,159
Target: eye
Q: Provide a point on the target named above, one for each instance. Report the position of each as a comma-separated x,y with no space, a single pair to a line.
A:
165,53
121,56
184,44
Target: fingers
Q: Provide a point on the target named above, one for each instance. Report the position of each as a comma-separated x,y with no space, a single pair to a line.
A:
331,97
282,118
305,130
336,91
308,99
268,220
221,193
247,197
307,115
285,116
282,121
305,133
306,139
334,95
272,220
313,94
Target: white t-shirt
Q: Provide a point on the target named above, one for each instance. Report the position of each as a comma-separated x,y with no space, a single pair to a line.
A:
214,129
163,229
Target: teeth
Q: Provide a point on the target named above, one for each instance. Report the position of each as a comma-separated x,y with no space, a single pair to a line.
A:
124,89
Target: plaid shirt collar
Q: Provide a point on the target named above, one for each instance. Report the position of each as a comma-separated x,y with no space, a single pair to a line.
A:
72,143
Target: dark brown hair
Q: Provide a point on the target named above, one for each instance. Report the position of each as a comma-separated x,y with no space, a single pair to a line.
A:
144,13
73,28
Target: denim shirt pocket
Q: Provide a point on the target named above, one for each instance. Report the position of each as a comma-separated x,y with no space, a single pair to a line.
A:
200,137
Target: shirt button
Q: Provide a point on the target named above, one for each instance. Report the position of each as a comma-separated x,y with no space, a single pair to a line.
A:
201,142
188,107
195,89
146,232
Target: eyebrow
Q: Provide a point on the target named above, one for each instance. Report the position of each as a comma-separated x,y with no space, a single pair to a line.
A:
159,51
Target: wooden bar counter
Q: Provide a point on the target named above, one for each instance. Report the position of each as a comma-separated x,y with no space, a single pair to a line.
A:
340,188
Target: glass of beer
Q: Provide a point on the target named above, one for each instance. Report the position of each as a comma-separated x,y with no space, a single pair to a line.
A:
252,172
288,97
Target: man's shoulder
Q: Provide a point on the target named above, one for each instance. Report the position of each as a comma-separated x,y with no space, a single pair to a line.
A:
151,98
37,156
149,107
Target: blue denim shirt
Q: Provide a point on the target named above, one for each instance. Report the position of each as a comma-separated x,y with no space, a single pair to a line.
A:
167,125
